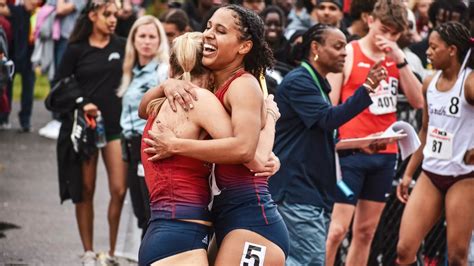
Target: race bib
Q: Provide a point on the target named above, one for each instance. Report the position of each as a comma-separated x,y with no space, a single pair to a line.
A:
384,99
439,144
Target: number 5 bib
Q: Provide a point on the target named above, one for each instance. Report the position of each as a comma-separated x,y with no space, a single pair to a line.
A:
439,144
385,97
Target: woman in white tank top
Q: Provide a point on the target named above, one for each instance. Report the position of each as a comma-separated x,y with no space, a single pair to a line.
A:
447,135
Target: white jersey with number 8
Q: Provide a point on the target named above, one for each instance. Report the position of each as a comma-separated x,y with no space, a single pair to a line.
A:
450,128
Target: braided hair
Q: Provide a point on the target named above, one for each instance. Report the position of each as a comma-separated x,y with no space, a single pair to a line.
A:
315,33
251,28
455,33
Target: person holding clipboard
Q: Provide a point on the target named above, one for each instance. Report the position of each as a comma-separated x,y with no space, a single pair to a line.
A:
305,140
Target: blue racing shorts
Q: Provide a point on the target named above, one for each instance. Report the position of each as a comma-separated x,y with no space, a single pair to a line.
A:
165,238
369,176
230,215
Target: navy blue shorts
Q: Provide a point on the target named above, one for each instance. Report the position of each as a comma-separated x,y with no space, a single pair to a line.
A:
368,176
165,238
230,215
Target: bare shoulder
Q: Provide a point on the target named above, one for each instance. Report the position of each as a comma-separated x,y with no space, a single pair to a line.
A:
206,97
469,88
426,83
247,85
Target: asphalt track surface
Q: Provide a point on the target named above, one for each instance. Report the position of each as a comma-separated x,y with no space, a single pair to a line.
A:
35,229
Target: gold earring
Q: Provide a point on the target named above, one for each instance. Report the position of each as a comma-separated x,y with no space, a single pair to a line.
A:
315,58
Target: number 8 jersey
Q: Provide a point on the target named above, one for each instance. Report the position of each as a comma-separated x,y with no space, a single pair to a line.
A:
450,128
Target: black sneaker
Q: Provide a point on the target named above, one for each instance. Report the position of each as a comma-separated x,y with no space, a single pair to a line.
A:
25,130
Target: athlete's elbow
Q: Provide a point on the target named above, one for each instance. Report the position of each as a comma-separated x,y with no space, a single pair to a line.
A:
418,103
245,154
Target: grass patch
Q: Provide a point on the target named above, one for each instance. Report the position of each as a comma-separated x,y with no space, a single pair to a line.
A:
41,87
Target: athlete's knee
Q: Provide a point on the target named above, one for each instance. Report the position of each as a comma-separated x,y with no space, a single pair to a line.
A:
88,192
337,233
457,256
406,254
364,233
118,193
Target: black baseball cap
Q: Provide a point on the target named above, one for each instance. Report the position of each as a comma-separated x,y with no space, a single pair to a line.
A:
336,2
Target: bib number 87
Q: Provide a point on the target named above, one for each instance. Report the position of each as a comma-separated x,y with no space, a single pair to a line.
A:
436,146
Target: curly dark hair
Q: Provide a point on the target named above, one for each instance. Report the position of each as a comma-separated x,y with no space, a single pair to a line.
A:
455,33
251,28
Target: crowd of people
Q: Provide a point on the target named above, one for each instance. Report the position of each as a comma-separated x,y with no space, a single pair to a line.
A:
221,173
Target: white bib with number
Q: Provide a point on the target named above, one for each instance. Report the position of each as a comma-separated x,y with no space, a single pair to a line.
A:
439,144
385,97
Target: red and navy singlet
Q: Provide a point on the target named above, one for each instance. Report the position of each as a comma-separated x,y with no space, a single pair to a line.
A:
178,186
244,198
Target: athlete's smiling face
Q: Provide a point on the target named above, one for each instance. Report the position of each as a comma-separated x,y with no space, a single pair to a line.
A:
222,40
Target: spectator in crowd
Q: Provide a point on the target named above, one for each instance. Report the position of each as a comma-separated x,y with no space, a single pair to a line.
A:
369,174
359,13
414,62
299,18
274,20
244,211
145,66
422,18
446,183
255,5
126,16
305,185
197,11
20,52
5,78
330,12
440,11
68,12
94,56
285,5
175,22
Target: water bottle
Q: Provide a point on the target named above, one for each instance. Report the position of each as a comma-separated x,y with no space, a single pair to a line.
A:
100,140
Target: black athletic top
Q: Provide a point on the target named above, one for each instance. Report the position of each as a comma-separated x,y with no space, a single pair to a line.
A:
98,72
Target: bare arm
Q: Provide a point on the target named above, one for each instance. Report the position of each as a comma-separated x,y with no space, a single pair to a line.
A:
408,81
244,98
469,88
411,87
417,157
63,8
174,90
267,137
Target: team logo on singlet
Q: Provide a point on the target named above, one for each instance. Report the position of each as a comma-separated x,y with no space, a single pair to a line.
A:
363,65
113,56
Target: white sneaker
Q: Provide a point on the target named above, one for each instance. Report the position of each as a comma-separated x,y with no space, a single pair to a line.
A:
88,258
5,126
51,130
106,260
